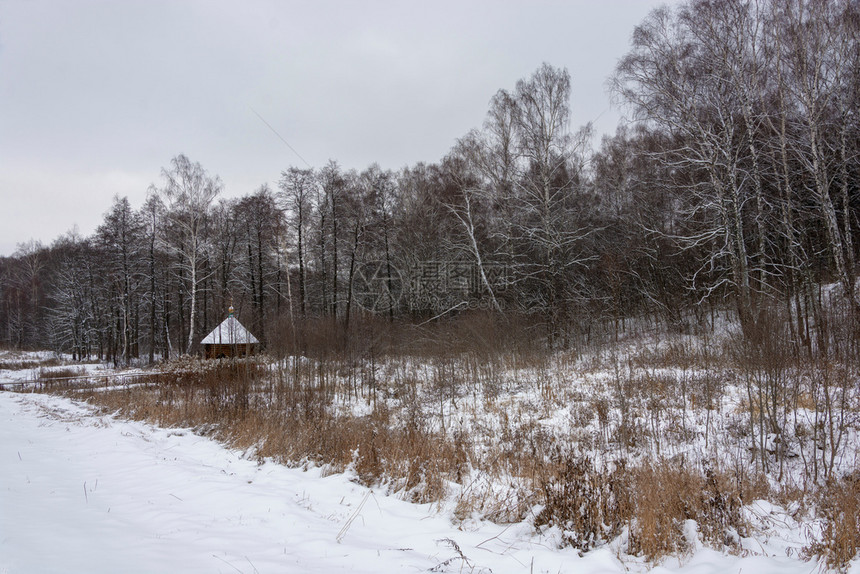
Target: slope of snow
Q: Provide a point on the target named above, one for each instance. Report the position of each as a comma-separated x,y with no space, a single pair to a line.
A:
81,492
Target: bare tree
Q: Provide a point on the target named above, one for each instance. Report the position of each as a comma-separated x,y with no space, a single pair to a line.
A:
258,219
72,323
188,193
332,186
296,192
151,215
120,238
25,293
544,192
465,205
817,50
675,81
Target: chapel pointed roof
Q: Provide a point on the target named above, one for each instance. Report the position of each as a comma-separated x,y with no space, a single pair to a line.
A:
229,332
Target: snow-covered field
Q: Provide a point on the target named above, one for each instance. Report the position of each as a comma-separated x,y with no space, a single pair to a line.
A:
82,492
17,367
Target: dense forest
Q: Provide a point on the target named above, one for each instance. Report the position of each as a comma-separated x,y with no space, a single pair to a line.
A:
735,186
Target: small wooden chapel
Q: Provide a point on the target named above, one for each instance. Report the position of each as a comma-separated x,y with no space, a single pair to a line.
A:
229,339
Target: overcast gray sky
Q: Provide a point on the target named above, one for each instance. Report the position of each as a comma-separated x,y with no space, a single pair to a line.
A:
97,96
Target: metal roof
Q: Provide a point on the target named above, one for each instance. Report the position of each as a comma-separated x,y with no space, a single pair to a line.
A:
229,332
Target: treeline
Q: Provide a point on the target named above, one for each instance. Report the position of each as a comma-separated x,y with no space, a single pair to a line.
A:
736,185
749,114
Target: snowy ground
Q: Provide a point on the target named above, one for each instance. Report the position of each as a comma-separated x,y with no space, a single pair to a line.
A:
18,366
80,492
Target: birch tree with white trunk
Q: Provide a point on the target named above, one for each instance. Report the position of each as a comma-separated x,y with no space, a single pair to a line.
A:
188,193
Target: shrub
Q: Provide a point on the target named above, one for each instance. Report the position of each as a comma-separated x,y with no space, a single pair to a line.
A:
587,505
839,502
668,494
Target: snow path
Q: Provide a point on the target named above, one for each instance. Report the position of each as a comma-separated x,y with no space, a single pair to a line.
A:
87,493
81,493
